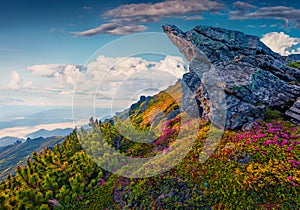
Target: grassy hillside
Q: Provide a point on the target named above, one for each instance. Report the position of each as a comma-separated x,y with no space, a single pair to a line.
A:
255,169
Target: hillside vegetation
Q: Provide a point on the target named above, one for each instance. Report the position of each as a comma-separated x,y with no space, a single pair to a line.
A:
254,169
16,154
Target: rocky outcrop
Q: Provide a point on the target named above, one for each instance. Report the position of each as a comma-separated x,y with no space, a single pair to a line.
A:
294,111
250,75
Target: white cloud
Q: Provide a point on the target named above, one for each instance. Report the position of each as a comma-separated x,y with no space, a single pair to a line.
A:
62,77
110,77
68,76
118,68
119,79
16,82
281,43
46,70
173,65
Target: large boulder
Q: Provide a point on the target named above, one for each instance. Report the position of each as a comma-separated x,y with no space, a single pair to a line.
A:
251,77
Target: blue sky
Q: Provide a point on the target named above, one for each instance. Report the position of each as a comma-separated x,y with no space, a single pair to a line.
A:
36,32
43,44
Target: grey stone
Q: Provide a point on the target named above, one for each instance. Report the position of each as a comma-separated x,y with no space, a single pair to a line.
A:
250,74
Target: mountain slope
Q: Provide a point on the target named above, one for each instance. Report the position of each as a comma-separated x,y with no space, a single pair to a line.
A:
13,155
7,140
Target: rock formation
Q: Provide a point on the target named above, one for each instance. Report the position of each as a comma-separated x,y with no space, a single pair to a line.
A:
253,78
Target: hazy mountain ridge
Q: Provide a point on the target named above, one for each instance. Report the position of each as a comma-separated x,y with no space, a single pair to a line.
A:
15,154
7,140
49,133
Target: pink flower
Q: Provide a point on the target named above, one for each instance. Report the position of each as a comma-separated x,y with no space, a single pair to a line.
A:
284,142
290,148
80,197
285,136
291,161
290,178
294,184
264,152
268,142
166,151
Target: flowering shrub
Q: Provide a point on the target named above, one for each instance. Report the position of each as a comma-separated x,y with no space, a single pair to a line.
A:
272,176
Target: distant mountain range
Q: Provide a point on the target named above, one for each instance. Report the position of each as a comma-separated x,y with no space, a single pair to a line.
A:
52,116
46,133
42,117
7,140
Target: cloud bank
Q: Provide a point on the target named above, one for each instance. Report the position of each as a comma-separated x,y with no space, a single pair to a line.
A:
281,43
119,79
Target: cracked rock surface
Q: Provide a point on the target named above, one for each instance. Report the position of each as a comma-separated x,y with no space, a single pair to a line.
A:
237,70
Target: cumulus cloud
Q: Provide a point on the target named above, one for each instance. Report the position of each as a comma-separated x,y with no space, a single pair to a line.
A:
119,67
69,75
287,14
16,82
115,78
120,79
46,70
63,77
126,18
281,43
